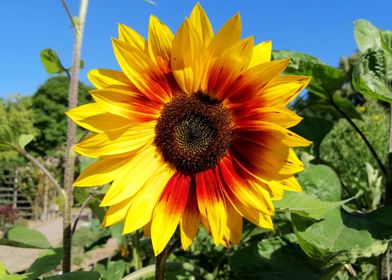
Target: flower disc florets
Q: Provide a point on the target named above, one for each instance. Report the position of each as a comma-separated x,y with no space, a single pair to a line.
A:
193,132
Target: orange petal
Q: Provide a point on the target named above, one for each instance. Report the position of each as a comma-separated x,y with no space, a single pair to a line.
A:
190,221
169,210
186,58
142,72
160,40
211,204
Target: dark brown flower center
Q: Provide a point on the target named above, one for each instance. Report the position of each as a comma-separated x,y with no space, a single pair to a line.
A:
193,132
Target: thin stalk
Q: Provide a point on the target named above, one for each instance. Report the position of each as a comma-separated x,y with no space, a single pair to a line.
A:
44,170
70,155
385,259
160,265
75,224
71,18
356,128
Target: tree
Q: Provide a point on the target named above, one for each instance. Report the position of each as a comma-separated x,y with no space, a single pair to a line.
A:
49,104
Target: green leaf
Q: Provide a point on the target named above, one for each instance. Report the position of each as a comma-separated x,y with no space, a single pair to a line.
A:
320,181
47,261
366,35
386,40
20,236
8,137
85,275
325,79
25,139
273,258
51,61
303,204
347,107
372,76
314,129
81,65
343,238
117,269
3,270
13,277
12,139
297,59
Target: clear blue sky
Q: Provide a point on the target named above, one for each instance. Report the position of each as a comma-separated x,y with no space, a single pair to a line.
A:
320,28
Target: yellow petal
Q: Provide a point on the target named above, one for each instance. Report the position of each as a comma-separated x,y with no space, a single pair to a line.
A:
116,213
113,101
116,142
289,184
211,204
133,176
261,53
168,211
143,203
160,40
294,140
282,90
103,78
130,36
233,231
142,72
265,72
227,67
252,215
190,221
281,116
228,35
101,172
292,165
200,21
186,58
247,193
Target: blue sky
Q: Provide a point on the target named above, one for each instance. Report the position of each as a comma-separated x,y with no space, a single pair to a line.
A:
320,28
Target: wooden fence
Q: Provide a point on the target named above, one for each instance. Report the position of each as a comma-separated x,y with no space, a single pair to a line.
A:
12,203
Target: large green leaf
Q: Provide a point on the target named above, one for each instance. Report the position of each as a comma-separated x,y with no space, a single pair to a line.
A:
47,261
347,107
325,79
77,275
366,35
320,181
297,59
5,276
342,238
305,205
51,61
114,270
314,129
20,236
274,258
372,76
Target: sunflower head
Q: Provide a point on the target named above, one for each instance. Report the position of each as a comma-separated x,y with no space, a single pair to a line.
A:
193,130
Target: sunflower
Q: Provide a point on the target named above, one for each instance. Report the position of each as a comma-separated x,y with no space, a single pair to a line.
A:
193,130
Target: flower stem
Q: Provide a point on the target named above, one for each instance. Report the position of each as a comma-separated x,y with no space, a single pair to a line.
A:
44,170
356,128
70,155
160,265
384,261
